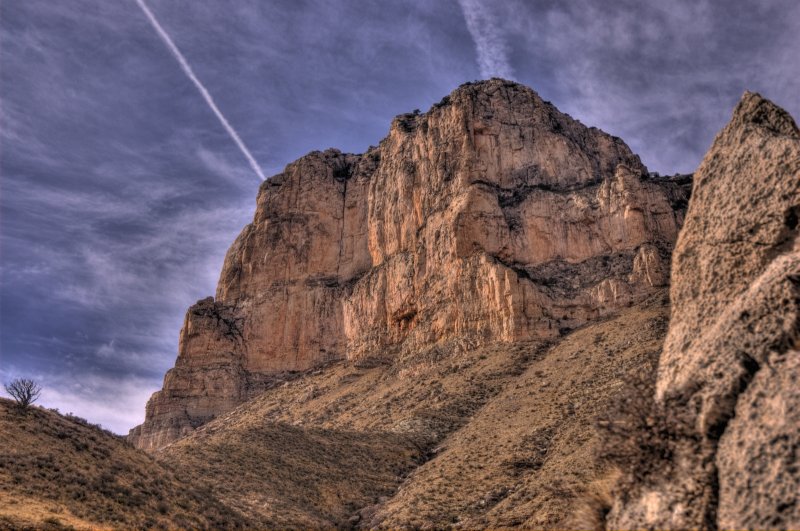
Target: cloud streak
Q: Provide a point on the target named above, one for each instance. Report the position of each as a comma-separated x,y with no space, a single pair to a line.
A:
489,40
187,69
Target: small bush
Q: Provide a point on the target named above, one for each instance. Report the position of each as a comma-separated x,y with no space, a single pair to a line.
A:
641,435
24,392
594,504
54,524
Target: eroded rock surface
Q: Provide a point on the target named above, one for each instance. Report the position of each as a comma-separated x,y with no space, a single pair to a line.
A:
730,361
492,217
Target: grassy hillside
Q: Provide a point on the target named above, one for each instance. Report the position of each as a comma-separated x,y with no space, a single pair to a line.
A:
284,476
59,472
454,436
500,436
529,456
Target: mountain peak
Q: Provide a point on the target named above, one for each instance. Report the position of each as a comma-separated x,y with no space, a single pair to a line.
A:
491,218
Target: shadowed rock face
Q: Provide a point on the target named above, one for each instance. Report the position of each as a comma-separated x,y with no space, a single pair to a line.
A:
492,217
731,360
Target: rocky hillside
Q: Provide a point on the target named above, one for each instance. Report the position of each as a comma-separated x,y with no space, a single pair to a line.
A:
727,393
491,219
474,437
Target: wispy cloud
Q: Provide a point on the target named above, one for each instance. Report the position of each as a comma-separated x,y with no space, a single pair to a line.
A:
489,38
114,402
663,76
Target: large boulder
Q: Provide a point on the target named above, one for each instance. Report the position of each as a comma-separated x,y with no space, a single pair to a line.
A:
729,374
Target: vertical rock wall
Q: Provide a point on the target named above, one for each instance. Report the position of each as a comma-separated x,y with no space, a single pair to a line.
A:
491,217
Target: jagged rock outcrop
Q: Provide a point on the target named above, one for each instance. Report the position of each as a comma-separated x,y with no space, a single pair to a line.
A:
492,217
731,361
209,376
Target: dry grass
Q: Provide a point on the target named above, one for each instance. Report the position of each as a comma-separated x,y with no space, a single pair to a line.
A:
593,505
61,472
641,435
326,449
454,436
492,437
284,476
529,456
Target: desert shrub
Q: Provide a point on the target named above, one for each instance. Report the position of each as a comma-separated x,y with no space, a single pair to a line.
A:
594,503
639,438
54,524
24,391
83,422
640,435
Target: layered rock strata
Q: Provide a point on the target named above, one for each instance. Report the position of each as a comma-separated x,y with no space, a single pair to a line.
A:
731,361
492,217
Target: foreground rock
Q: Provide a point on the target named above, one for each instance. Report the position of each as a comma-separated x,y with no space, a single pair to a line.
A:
490,218
731,361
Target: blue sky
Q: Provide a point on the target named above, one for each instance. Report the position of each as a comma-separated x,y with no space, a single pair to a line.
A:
120,191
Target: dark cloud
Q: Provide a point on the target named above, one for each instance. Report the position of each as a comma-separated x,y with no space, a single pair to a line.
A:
120,191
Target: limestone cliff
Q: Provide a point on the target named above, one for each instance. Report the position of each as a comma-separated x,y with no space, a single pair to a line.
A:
493,217
731,361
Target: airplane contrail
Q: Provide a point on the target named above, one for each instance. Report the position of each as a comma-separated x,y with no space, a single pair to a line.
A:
187,69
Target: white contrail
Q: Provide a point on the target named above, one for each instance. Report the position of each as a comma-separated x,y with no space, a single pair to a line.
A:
488,37
203,92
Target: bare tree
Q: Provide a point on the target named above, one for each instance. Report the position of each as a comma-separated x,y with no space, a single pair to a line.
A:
24,391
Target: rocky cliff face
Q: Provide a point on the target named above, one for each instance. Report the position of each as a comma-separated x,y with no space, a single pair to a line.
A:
490,218
731,362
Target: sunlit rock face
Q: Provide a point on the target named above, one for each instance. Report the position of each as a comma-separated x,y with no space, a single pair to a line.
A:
731,360
492,217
